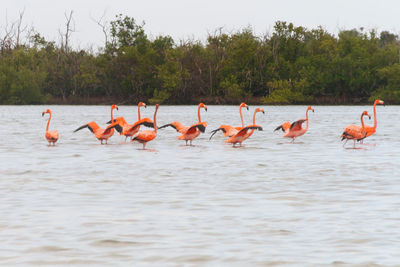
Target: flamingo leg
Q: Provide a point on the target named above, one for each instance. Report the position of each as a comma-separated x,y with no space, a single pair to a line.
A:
345,142
191,143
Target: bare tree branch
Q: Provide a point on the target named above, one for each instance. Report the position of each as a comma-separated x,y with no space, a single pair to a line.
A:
65,38
103,24
20,29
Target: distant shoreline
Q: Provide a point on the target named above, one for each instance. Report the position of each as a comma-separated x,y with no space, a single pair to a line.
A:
331,101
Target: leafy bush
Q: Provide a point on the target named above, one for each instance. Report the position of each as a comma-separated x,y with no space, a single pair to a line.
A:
283,92
159,97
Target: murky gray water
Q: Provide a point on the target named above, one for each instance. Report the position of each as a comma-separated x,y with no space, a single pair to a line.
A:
267,203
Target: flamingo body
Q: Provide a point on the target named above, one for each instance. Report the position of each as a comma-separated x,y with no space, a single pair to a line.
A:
100,133
295,129
51,136
145,136
245,132
189,133
354,132
193,131
229,130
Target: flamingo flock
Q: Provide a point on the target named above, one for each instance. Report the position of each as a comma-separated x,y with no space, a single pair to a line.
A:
235,135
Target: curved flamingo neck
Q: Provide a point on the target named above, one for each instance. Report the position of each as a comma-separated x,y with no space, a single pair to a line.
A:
138,110
375,121
198,113
307,119
112,118
254,122
241,115
362,121
48,122
154,120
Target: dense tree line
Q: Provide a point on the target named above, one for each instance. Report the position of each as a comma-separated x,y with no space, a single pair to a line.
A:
288,66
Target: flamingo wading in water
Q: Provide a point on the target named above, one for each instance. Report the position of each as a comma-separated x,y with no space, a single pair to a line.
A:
51,136
355,132
230,130
295,129
129,130
245,132
99,133
189,133
372,129
146,136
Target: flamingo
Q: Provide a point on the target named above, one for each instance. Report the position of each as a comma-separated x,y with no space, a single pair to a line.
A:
230,130
295,129
189,133
354,132
372,129
244,133
146,136
100,134
130,130
51,136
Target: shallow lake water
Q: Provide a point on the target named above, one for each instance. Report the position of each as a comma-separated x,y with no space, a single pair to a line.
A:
266,203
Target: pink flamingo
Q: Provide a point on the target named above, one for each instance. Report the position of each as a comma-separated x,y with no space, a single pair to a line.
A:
371,130
146,136
51,136
230,130
99,133
244,133
189,133
295,129
355,132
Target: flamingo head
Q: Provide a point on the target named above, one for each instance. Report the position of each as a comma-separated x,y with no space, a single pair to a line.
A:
378,101
310,108
141,104
244,105
365,113
202,105
114,107
259,110
47,111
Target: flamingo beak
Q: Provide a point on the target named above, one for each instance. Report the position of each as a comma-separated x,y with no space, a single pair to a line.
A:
205,108
263,112
312,110
369,116
247,107
43,113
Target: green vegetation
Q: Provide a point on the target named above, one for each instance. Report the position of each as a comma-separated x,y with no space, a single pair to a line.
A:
292,65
